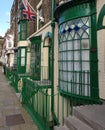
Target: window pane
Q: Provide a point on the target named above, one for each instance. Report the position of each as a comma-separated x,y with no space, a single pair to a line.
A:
70,66
69,55
85,55
70,45
85,44
77,66
70,76
22,61
64,66
23,52
85,66
77,55
24,35
77,44
64,55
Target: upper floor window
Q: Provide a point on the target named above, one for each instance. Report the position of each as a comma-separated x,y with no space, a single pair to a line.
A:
22,30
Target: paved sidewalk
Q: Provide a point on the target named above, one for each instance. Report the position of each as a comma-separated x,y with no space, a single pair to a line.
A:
12,115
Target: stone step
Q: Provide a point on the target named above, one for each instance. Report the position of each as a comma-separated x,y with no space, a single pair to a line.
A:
93,115
75,124
60,128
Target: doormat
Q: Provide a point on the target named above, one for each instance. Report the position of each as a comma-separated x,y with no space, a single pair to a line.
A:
14,120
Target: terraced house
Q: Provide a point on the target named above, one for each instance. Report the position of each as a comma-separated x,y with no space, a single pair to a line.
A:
59,61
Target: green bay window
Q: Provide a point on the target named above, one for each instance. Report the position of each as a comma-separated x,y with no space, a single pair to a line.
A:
74,67
78,69
22,29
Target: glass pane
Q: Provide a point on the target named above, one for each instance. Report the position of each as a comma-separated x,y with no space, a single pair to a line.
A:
64,55
70,76
62,38
70,66
85,66
18,28
64,66
69,37
76,77
85,35
77,66
69,55
84,27
77,36
85,55
85,20
22,61
70,45
66,26
80,24
80,32
69,87
66,36
65,76
72,33
77,55
64,45
72,25
85,44
23,52
18,36
65,86
61,29
76,44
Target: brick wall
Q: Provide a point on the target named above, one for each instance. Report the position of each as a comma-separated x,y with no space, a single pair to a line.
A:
46,9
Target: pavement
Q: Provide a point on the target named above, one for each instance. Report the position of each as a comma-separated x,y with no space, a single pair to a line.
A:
13,115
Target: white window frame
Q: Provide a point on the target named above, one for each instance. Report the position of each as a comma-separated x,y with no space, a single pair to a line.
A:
38,7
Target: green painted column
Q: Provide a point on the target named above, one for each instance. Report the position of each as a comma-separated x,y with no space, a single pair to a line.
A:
53,28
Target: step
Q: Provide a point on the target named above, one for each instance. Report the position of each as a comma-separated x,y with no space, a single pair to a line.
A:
74,123
60,128
93,115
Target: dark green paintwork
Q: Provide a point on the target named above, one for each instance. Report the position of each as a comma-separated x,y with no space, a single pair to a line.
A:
21,30
101,18
76,9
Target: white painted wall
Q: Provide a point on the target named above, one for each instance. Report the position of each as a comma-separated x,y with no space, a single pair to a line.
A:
101,53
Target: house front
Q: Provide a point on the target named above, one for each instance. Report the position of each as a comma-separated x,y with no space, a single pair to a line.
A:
61,64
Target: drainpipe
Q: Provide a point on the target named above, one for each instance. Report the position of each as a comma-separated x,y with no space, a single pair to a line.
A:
53,28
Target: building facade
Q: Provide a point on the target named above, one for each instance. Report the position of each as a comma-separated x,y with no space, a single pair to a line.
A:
60,58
